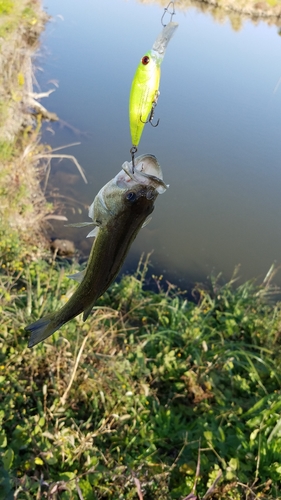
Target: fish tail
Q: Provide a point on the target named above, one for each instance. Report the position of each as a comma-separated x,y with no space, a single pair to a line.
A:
42,328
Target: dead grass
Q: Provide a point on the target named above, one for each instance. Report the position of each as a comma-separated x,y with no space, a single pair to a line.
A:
22,204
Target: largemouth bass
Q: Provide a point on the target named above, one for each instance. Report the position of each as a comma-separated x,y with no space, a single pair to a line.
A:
118,212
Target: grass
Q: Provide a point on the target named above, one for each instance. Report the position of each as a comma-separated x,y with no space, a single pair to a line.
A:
22,205
15,13
6,7
152,396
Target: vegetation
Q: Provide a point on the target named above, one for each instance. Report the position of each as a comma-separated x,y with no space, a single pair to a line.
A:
153,397
22,207
15,13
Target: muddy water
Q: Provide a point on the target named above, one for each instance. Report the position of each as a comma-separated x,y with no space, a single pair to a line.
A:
218,141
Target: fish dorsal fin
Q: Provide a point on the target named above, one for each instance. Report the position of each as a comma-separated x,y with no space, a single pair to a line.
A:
93,233
77,276
147,221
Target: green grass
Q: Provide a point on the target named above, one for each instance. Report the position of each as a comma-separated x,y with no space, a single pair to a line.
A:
6,150
6,7
15,14
151,388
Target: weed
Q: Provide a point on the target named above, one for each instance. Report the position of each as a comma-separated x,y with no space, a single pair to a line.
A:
6,6
6,150
126,401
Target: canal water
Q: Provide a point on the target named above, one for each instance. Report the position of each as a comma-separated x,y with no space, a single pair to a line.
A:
218,140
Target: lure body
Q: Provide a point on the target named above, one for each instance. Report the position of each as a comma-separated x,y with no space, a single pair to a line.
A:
145,85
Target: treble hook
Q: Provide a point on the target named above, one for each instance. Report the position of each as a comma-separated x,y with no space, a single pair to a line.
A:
166,11
151,116
133,151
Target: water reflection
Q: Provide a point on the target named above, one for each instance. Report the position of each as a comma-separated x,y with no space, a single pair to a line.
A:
218,140
235,12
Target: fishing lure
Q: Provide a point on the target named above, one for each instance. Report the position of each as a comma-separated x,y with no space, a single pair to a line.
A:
145,86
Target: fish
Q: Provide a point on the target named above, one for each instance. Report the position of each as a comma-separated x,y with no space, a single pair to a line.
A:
120,209
145,86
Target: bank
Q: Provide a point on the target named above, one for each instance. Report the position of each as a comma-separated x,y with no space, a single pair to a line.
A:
23,206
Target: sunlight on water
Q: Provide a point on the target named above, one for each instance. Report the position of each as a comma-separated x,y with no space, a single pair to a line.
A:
218,141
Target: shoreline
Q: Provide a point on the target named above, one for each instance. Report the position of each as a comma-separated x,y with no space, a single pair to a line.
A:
23,204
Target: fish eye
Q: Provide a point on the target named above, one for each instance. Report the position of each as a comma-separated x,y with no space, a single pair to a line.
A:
145,60
131,196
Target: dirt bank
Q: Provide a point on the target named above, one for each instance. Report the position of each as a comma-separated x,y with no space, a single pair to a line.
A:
20,28
22,205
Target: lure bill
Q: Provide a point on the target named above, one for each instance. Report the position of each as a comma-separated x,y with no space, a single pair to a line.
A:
145,86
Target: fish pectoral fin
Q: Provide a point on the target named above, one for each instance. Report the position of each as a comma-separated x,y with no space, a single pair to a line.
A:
93,233
87,312
147,221
77,276
91,211
80,224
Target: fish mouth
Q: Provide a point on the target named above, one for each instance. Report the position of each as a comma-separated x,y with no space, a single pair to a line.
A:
149,194
146,166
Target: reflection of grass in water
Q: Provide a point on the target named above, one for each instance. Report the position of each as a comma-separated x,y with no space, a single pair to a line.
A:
267,10
137,390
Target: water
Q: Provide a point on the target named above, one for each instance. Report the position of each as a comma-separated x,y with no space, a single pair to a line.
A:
218,141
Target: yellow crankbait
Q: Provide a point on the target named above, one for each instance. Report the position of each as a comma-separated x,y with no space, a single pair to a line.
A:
145,86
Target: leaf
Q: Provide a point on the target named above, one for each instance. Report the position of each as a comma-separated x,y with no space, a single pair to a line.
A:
20,79
86,489
254,434
208,435
274,431
3,440
234,463
8,458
